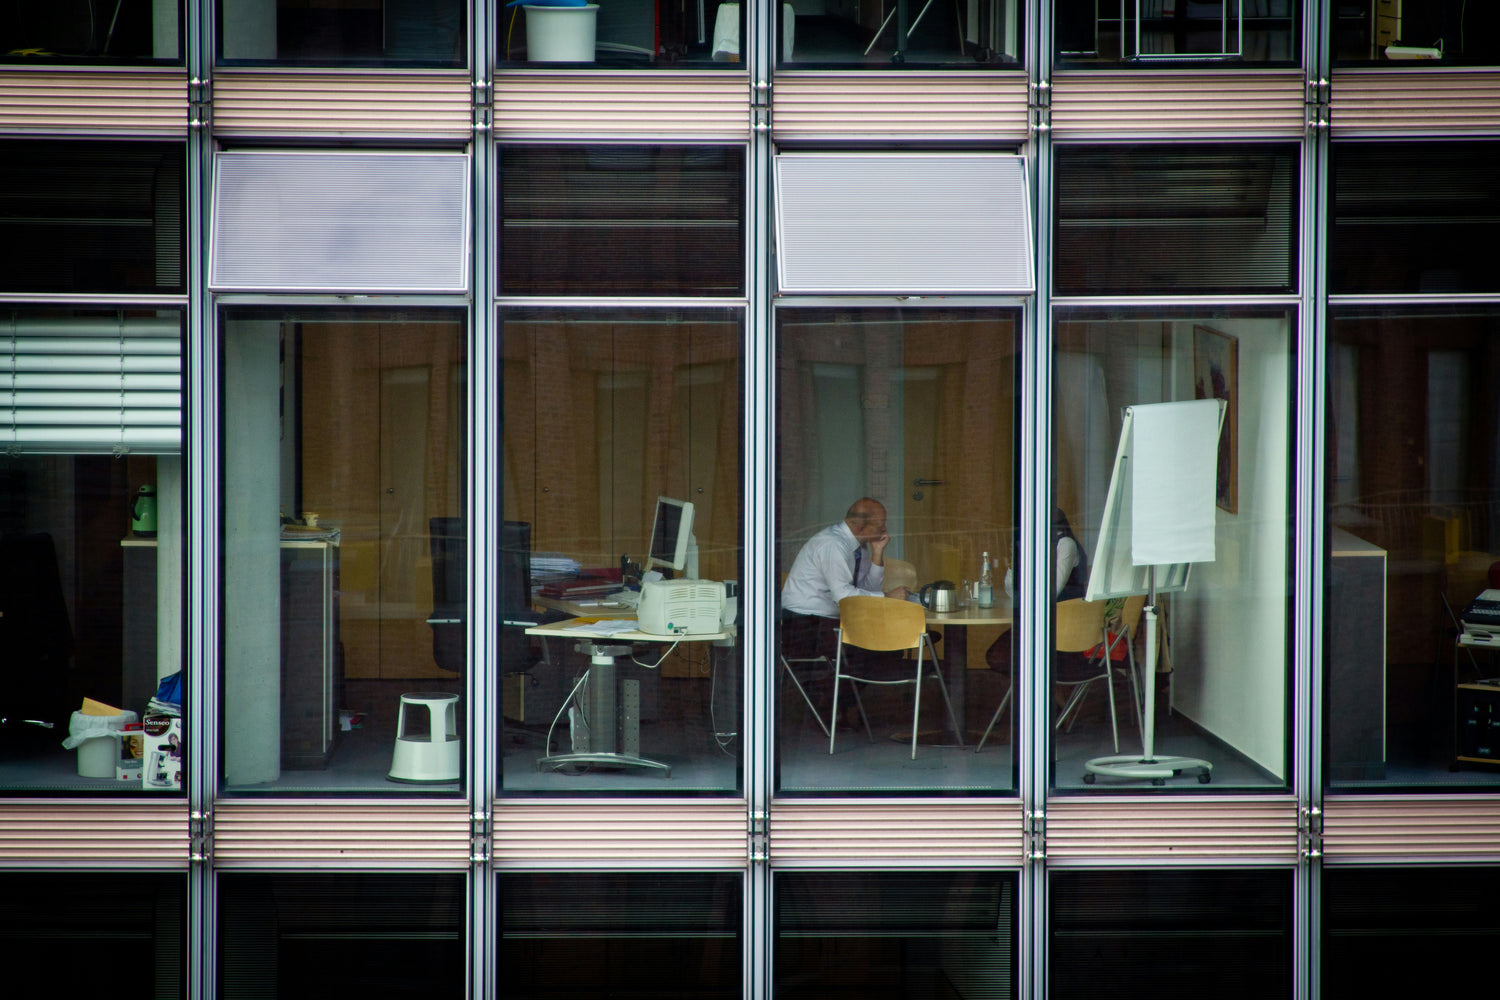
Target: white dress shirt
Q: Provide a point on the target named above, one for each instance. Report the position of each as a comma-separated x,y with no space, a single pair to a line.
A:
824,574
1068,558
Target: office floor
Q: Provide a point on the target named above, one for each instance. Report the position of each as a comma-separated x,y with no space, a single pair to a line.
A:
703,749
689,724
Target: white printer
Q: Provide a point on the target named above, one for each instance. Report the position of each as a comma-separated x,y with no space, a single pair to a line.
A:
1481,621
681,607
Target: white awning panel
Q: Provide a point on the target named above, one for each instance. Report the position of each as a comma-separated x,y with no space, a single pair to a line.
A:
91,386
345,221
903,224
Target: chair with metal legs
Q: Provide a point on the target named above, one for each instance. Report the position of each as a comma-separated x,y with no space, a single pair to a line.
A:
883,624
1079,629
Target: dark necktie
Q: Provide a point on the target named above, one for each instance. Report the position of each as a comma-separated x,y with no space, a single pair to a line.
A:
858,552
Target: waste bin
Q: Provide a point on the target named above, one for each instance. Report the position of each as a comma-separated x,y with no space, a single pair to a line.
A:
560,34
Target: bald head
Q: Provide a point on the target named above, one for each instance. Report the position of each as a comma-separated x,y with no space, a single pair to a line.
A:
866,519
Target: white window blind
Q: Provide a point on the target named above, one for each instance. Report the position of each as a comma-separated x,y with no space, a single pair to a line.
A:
344,221
903,223
91,385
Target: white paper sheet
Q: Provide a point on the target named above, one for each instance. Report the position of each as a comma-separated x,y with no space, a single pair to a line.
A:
1174,465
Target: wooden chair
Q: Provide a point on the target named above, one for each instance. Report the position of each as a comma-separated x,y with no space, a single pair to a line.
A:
1078,627
899,573
881,624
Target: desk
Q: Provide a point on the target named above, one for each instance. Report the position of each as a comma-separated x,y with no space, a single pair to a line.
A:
1476,710
590,608
612,708
956,641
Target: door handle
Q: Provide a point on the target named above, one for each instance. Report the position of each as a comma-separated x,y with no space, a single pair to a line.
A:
929,482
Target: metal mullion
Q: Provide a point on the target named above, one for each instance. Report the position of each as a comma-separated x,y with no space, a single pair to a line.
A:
342,299
1033,729
99,299
902,301
1414,300
1193,302
201,506
758,590
579,302
1308,608
483,515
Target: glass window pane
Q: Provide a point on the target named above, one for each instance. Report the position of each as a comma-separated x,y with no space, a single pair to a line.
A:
844,34
605,411
91,541
50,34
616,220
895,934
915,409
1170,934
1175,219
315,935
611,934
60,925
1161,33
351,426
624,35
1224,634
1413,526
1414,217
386,33
1441,32
1391,931
91,217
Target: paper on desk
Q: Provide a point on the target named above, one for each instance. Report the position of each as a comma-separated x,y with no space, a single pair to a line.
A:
604,626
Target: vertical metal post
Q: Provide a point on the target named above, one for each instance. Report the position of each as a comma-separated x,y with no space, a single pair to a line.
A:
758,589
483,514
202,562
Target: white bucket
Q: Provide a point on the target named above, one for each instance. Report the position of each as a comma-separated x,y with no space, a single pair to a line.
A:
560,34
96,757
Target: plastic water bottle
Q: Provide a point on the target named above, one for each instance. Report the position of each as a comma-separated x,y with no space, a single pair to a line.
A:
986,583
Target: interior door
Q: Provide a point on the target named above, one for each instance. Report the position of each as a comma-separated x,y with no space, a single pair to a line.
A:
405,595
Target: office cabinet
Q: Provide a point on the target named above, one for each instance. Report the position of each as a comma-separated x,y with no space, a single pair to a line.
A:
309,650
1356,659
310,675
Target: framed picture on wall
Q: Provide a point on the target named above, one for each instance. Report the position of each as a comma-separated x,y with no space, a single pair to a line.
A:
1216,375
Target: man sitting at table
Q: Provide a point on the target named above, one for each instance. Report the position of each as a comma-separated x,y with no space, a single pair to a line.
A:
843,560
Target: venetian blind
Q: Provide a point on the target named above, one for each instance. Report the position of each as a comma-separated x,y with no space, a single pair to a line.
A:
84,385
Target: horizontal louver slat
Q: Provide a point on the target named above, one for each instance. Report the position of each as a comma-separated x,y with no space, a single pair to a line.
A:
1100,105
94,832
886,832
647,834
391,834
648,106
1245,829
109,102
912,107
1410,828
390,104
1371,102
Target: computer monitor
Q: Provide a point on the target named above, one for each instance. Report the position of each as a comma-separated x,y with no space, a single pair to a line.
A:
671,535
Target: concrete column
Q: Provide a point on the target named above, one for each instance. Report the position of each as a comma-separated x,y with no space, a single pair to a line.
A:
166,32
169,538
248,30
252,553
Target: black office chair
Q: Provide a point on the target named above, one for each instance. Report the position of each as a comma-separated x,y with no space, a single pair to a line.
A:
448,537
